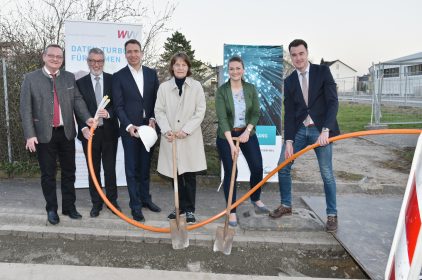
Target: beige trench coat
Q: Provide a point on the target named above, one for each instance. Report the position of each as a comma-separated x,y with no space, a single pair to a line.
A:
176,113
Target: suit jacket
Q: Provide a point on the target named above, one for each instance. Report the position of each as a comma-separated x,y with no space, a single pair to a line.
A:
224,106
111,125
37,106
128,103
322,102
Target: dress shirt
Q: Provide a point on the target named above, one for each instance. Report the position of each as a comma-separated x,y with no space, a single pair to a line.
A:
138,76
311,122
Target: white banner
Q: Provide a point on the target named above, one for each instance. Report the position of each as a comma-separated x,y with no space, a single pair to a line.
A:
80,37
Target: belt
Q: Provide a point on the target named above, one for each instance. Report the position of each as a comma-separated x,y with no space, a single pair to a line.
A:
311,125
237,129
58,127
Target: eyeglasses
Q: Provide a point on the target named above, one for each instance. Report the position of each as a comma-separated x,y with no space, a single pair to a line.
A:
93,61
52,56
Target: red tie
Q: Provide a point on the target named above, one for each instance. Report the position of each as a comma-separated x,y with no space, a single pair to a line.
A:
56,114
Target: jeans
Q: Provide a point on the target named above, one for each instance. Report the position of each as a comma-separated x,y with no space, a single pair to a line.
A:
252,154
304,137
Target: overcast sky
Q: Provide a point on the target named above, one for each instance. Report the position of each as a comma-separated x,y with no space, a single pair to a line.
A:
356,32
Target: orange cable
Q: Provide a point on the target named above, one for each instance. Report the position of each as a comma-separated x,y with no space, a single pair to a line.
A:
250,192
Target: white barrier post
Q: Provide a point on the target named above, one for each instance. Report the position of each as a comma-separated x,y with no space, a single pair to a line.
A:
405,260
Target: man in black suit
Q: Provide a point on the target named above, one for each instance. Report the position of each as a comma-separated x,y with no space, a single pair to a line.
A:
93,87
311,105
134,94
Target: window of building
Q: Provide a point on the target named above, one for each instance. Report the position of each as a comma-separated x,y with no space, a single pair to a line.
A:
391,72
414,70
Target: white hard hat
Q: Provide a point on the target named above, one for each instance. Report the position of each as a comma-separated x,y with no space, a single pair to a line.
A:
148,136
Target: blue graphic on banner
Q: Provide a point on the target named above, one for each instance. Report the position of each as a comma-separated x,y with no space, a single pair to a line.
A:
266,134
264,69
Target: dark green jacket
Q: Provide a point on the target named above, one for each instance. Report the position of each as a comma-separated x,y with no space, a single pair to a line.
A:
225,107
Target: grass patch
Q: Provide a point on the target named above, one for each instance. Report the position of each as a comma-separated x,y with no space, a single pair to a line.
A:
355,116
19,169
347,176
403,161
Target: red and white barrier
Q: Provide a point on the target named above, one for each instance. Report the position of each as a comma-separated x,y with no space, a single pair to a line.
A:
405,260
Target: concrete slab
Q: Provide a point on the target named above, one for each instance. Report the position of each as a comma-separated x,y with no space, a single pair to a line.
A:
13,271
366,227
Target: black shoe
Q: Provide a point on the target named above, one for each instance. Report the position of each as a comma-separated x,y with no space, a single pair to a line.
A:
190,218
95,211
73,214
53,218
138,216
151,206
172,215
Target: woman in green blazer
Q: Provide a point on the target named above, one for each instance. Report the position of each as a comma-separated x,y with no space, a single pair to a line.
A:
237,107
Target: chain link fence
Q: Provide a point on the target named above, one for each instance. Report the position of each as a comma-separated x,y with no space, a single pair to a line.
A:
393,90
397,94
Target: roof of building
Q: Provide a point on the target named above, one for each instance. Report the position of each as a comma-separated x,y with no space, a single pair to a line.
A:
329,63
416,57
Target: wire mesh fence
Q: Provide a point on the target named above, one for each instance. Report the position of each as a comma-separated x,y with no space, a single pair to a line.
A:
397,94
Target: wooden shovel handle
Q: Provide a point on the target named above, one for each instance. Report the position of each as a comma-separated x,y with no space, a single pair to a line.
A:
229,200
175,182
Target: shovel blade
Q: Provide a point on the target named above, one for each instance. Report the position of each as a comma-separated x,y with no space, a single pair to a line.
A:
223,243
179,234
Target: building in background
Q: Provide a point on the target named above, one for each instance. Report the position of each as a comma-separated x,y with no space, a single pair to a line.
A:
344,75
399,77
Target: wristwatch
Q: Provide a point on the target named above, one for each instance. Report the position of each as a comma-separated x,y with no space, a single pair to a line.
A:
325,129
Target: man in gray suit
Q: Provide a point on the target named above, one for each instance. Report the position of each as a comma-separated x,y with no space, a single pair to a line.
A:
49,98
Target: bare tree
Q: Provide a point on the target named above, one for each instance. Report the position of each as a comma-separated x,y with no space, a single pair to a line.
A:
42,22
27,27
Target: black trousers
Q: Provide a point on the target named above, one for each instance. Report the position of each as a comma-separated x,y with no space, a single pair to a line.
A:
63,149
187,191
103,150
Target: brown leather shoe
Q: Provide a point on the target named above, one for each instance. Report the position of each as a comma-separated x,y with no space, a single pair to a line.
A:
332,223
280,211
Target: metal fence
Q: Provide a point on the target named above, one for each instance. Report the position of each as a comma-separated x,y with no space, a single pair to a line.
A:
397,94
393,90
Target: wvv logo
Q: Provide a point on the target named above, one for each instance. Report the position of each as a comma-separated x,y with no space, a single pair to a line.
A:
123,34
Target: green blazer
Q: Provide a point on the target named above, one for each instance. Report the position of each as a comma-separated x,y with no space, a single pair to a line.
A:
225,107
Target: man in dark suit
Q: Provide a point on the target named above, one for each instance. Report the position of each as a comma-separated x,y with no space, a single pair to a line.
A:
49,99
311,105
93,87
134,94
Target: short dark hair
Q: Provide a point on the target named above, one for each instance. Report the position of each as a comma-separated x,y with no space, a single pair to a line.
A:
236,59
297,43
185,58
52,46
133,41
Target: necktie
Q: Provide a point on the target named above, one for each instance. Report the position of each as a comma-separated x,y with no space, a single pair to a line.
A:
98,96
56,106
307,121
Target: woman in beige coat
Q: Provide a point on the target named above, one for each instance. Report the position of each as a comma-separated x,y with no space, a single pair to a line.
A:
179,111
